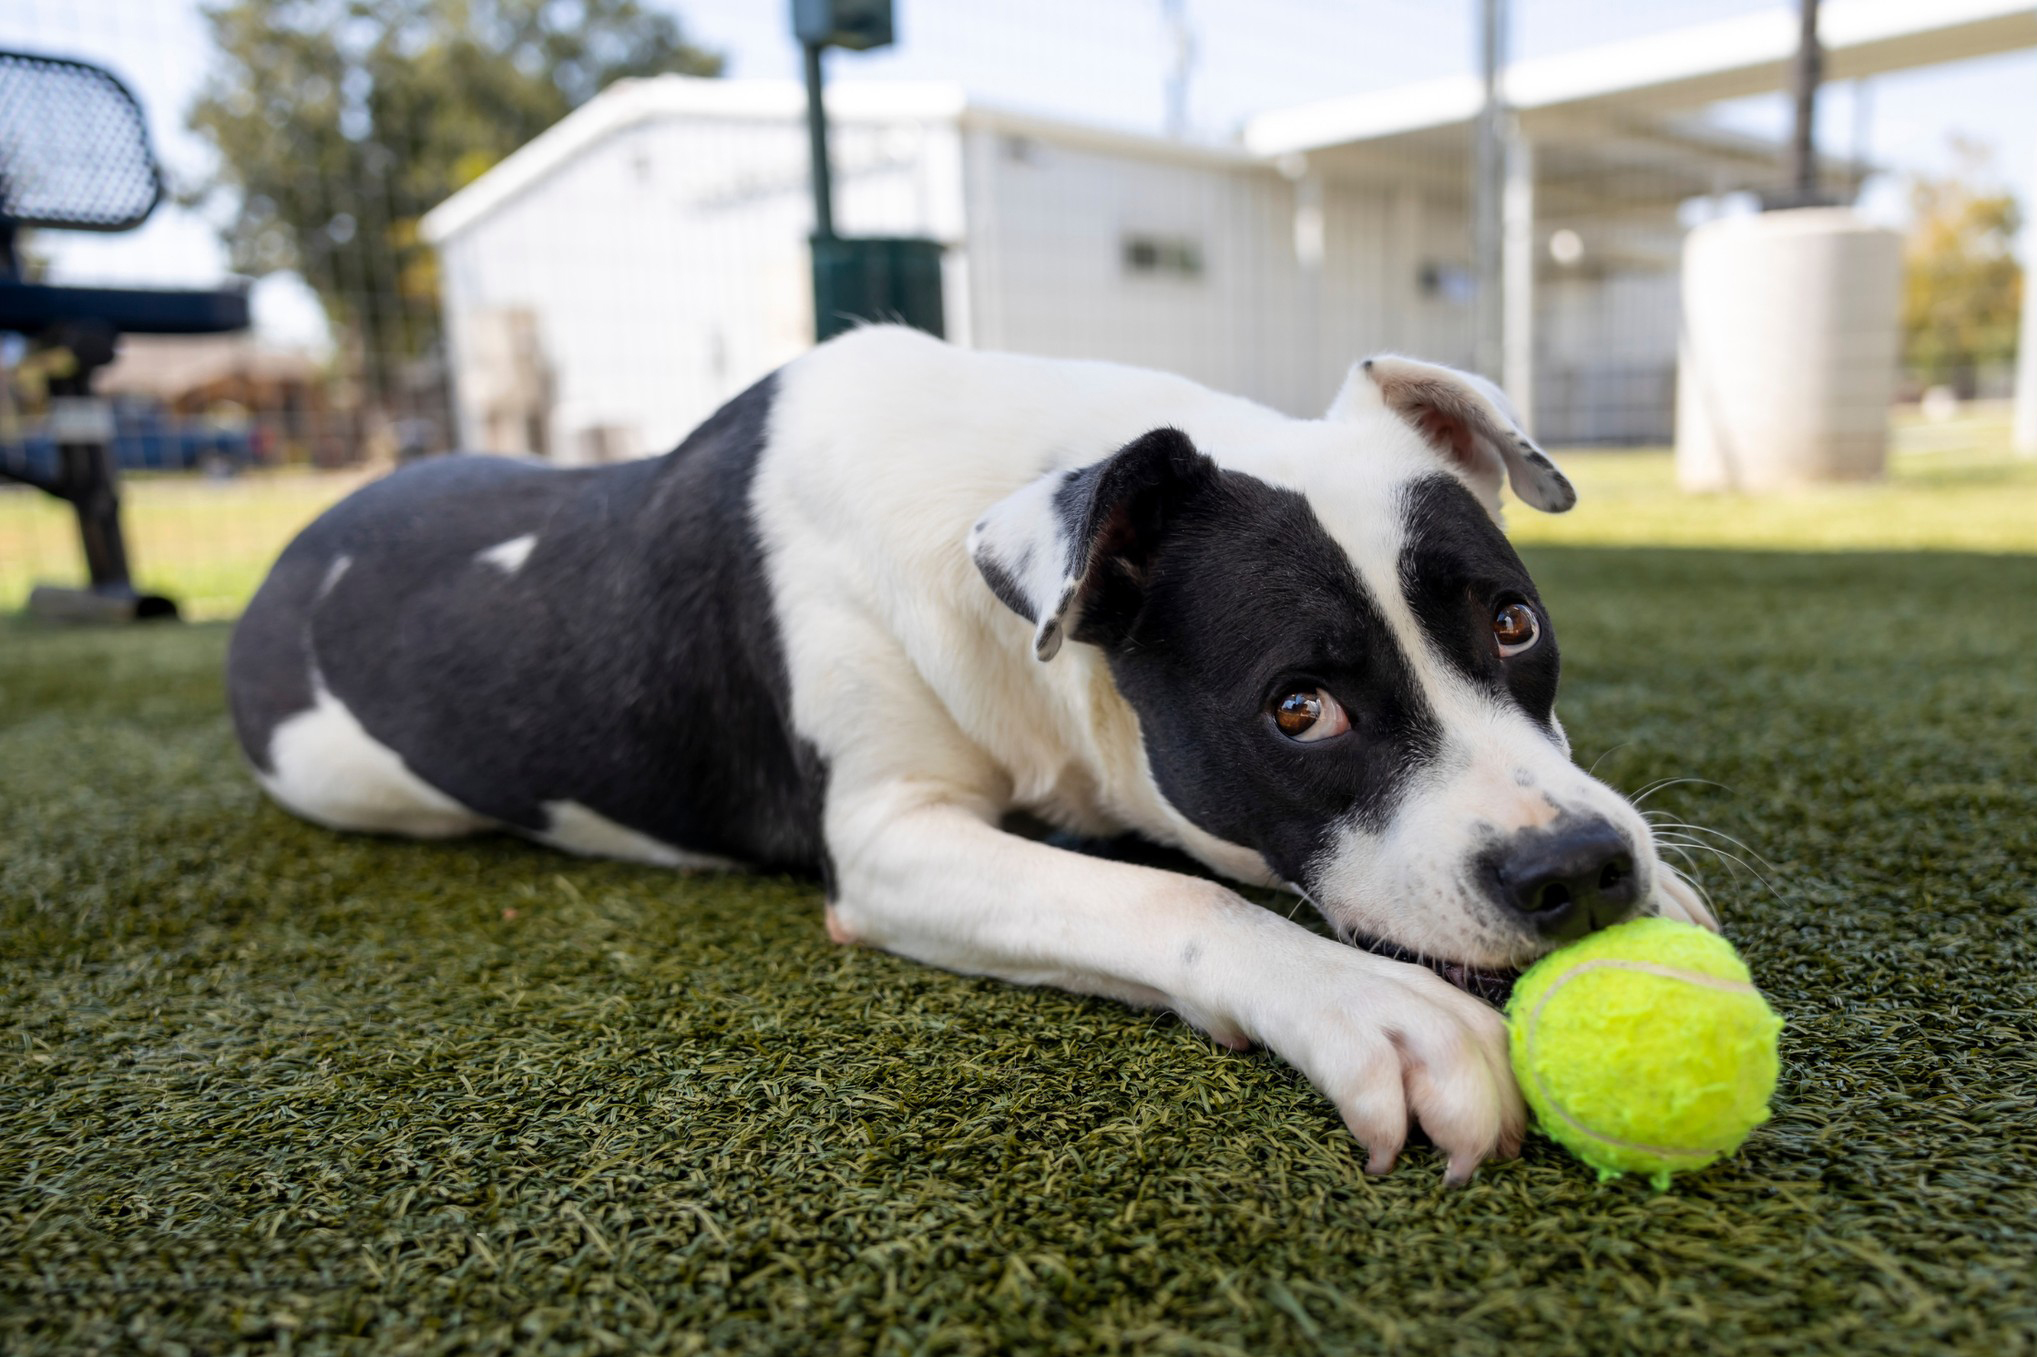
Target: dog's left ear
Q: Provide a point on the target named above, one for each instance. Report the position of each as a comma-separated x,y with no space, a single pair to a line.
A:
1070,551
1466,420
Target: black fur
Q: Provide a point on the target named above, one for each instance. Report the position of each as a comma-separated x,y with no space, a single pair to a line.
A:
1004,582
1114,514
632,665
269,662
1215,594
1456,569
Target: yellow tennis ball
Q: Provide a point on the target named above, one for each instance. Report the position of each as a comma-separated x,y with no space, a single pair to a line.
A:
1644,1048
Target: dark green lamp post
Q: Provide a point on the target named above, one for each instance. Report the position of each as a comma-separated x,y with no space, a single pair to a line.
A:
891,278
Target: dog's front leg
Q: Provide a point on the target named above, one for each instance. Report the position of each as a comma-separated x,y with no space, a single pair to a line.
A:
1391,1044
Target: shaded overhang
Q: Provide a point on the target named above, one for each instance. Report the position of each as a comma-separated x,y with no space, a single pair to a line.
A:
1625,115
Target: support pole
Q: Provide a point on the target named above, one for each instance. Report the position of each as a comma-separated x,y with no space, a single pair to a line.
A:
2024,435
1805,74
1309,249
1489,341
1180,61
817,147
1517,363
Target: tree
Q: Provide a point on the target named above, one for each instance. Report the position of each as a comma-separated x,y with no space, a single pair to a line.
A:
339,123
1962,286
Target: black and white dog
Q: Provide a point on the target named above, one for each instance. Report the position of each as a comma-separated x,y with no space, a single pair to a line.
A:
899,591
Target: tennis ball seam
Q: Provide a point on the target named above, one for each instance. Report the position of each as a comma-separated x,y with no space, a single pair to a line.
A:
1714,982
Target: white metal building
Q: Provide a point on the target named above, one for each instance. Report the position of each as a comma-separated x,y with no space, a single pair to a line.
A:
646,258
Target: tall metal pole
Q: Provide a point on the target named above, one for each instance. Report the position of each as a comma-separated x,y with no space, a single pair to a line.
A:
2023,435
1807,72
1517,268
1486,195
817,147
1180,60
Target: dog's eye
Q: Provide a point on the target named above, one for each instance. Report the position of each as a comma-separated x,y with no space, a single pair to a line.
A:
1310,715
1515,628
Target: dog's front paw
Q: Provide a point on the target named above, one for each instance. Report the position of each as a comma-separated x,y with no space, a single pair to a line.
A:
1394,1045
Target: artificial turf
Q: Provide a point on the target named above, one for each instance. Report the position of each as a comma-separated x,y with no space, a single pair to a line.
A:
272,1089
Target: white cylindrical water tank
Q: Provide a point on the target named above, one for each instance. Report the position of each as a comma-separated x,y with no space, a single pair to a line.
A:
1787,360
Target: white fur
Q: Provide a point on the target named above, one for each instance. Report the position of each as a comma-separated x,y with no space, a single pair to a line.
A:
328,769
577,829
334,573
508,557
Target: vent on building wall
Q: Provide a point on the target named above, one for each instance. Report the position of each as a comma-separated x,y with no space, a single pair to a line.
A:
1162,256
1452,283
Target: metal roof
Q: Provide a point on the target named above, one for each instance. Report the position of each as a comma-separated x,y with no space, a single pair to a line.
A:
1667,73
628,103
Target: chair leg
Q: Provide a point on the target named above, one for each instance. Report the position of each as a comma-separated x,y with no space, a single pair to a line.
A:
88,477
92,485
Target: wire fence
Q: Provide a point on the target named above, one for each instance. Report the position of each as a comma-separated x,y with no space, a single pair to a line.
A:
572,231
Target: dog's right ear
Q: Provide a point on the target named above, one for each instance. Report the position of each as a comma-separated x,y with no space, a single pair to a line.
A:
1069,552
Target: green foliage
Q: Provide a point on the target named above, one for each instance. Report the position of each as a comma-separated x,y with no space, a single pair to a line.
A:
1962,286
270,1089
339,123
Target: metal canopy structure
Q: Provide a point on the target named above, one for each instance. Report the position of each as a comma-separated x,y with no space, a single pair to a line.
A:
1666,74
1594,162
1614,130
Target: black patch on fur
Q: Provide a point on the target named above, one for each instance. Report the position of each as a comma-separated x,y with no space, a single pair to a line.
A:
268,661
1114,515
1004,582
1456,569
1240,596
632,665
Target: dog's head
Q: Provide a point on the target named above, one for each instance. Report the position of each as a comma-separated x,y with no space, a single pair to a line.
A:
1339,663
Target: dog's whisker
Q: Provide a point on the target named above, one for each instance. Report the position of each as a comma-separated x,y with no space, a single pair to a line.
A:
1304,898
1660,822
1681,852
1662,818
1728,838
1682,841
1608,754
1676,844
1664,784
1659,784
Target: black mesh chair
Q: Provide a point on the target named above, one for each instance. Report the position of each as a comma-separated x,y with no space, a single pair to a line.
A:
75,156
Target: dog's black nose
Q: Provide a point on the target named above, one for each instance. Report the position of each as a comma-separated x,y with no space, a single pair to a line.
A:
1569,880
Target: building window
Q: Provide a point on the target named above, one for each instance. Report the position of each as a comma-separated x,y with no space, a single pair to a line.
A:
1162,257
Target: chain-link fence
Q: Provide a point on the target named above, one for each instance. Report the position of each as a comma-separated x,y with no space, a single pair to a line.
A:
570,231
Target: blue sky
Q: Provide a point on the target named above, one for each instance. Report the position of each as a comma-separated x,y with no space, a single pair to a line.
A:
1099,61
